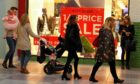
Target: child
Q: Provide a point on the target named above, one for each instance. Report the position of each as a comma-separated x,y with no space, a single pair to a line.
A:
10,23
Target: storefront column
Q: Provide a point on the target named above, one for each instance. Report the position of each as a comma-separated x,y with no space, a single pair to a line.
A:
21,7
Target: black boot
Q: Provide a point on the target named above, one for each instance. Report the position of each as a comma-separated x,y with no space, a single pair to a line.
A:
76,76
118,81
4,65
93,79
64,77
94,70
12,66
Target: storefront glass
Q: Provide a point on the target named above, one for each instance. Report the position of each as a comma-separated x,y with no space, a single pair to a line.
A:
91,14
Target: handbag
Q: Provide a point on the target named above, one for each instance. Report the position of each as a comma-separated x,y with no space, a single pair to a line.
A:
41,59
96,42
87,46
40,54
60,48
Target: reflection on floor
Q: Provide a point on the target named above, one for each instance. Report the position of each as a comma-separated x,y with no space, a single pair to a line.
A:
37,76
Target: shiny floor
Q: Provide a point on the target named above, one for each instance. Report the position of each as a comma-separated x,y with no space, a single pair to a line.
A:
37,76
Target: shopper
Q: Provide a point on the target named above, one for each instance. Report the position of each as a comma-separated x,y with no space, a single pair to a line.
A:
106,50
73,45
127,32
14,10
23,42
10,23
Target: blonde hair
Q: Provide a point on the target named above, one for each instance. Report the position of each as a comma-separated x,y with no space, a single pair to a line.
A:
24,19
108,22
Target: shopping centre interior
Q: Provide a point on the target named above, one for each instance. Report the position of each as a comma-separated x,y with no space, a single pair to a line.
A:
115,8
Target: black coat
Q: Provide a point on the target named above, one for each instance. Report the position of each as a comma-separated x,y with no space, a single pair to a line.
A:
130,29
72,38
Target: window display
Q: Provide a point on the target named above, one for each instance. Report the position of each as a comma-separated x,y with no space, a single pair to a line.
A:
49,18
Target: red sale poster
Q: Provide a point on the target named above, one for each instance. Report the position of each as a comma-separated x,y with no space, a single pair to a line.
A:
90,20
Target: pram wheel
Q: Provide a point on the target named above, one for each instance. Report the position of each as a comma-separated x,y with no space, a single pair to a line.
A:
53,66
47,69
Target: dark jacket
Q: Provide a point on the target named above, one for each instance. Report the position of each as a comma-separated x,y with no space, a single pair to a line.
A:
106,49
72,38
130,29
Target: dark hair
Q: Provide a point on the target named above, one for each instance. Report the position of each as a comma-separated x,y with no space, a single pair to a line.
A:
13,8
72,19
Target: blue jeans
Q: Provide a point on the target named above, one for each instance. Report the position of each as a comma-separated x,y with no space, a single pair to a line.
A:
25,57
10,54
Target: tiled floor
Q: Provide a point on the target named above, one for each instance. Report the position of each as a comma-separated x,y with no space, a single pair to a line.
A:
37,76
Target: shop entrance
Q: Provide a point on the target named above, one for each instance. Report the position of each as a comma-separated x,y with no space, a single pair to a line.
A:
120,8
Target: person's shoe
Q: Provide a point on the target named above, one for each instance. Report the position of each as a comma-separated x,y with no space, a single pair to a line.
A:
118,81
77,76
93,80
5,65
24,71
122,67
12,66
65,77
127,67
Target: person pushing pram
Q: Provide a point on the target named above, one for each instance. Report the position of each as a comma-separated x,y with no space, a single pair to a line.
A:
47,50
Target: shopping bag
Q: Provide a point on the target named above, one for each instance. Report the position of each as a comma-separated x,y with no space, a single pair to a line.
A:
86,45
96,42
41,59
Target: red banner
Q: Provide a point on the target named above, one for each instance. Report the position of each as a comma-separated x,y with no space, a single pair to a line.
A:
53,40
90,20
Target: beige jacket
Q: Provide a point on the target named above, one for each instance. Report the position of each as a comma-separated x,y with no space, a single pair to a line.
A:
23,40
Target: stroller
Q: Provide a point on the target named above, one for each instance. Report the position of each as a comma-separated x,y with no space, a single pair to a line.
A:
53,53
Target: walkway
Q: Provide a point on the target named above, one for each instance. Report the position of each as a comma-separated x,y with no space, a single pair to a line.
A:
37,76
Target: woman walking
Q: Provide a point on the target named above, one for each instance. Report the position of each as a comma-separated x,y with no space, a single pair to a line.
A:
106,50
23,42
73,45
